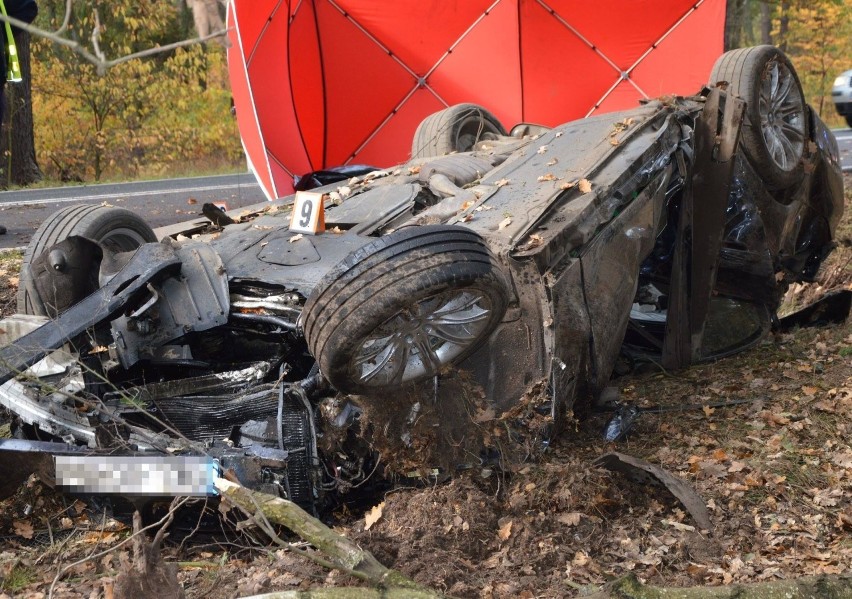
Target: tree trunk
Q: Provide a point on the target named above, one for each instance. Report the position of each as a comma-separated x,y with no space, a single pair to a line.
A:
344,554
748,23
765,23
784,25
17,143
734,15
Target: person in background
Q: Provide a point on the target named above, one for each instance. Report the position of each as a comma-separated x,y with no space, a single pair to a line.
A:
23,10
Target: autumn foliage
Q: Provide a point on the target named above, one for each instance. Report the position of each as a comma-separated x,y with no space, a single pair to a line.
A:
815,34
156,116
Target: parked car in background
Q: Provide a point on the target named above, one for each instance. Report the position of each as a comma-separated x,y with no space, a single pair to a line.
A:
841,95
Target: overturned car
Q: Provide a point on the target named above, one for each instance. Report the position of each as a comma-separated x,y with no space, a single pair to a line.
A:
528,260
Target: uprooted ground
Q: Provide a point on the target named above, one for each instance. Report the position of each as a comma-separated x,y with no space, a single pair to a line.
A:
775,473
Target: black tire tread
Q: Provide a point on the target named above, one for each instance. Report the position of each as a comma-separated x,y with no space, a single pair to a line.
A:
433,136
383,249
72,220
375,281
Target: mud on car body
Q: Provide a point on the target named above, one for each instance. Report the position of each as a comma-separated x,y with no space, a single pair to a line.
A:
529,260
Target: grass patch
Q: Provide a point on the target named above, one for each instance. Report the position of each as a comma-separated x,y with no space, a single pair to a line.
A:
18,578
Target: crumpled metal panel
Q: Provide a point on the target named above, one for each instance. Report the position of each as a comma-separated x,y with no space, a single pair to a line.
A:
572,336
372,208
239,245
571,152
611,272
195,301
516,355
278,249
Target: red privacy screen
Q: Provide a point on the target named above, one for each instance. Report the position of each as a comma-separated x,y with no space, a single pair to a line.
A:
321,83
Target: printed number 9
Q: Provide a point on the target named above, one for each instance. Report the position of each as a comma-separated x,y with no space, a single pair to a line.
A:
307,207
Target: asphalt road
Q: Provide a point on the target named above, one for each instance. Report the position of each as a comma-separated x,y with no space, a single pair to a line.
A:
160,203
168,201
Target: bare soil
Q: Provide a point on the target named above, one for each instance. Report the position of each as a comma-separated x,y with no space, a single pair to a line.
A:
775,473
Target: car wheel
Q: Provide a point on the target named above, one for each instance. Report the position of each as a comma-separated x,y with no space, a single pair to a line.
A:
403,307
454,129
775,132
115,229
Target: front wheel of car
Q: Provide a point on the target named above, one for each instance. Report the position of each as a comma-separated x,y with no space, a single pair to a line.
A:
114,229
775,129
404,307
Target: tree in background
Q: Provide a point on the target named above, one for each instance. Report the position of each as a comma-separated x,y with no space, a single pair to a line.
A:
816,34
17,147
137,117
819,38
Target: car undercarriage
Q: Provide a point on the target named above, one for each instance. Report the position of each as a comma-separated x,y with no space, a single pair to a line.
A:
501,281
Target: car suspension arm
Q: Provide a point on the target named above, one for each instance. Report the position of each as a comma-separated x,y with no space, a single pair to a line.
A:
151,261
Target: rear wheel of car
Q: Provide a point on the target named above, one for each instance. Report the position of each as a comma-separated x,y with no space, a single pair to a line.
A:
775,130
115,229
454,129
403,307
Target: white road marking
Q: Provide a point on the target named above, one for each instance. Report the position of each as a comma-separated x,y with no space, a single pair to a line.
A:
121,196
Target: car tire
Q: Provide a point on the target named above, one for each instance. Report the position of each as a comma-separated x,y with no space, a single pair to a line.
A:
404,307
454,129
113,228
775,128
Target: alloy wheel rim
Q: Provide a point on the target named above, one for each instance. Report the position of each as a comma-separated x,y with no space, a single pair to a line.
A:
782,116
421,338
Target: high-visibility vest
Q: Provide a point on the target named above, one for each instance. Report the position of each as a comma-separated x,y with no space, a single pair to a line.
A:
13,71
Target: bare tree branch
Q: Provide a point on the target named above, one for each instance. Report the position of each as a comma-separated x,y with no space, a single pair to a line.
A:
67,20
98,59
177,502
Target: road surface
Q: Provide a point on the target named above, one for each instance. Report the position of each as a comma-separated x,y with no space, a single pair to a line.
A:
162,202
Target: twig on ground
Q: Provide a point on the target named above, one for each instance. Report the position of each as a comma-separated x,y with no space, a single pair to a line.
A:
178,502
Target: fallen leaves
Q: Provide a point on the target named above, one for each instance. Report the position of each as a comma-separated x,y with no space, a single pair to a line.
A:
570,518
617,128
678,525
504,223
533,241
373,515
23,528
584,185
505,530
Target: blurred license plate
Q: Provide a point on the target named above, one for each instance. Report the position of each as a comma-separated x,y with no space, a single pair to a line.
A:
137,475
